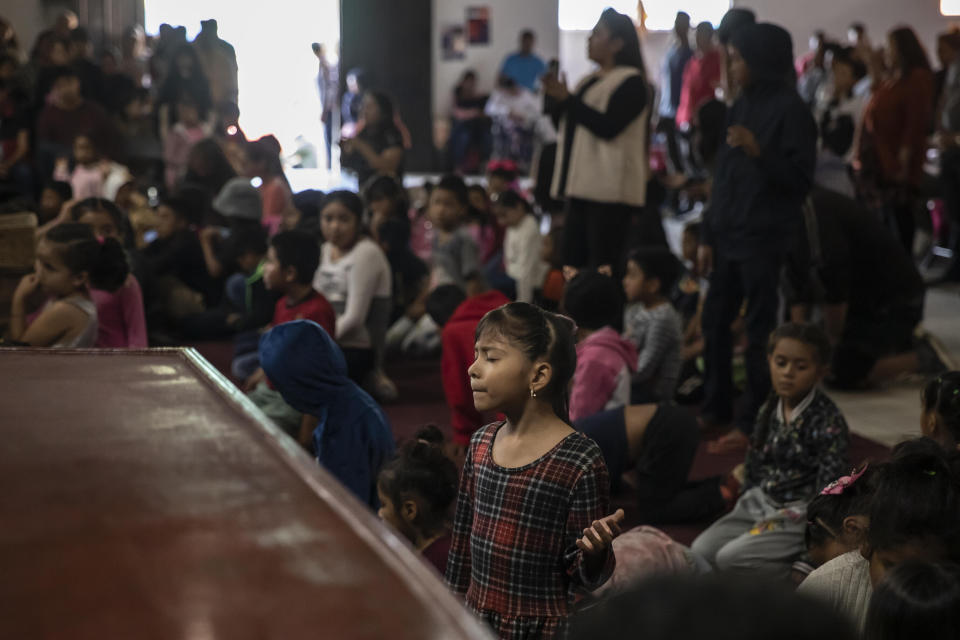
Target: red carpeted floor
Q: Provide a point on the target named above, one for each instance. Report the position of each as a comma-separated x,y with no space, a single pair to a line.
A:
421,402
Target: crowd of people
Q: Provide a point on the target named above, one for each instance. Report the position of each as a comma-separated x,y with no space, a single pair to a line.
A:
795,181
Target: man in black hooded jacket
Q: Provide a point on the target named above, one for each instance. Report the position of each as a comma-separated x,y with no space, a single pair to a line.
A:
764,172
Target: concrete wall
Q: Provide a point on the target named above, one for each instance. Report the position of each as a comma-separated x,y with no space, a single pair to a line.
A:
507,19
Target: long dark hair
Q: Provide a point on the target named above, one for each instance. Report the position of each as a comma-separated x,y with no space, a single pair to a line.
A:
108,207
105,262
917,498
911,53
421,470
916,600
541,335
621,26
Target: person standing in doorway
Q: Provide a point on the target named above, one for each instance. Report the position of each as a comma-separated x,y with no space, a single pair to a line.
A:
525,67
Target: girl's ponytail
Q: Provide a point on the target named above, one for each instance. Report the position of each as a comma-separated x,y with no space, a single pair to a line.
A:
111,267
104,261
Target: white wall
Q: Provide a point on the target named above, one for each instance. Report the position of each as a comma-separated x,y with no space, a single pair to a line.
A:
802,18
507,19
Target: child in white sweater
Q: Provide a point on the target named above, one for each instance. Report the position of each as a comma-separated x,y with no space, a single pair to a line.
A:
521,245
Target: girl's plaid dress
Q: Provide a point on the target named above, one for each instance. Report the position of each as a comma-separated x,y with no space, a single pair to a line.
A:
514,556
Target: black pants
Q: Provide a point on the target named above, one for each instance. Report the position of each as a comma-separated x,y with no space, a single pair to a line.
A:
733,281
360,362
668,127
600,233
669,445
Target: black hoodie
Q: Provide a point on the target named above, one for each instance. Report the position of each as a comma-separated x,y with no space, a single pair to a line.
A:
756,202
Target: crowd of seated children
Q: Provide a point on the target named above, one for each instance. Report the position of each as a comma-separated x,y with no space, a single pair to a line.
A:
656,442
158,218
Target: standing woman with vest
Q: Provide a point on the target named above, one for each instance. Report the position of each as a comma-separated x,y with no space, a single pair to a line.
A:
602,157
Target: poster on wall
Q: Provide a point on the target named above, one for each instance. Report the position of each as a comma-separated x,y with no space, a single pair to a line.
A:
453,42
478,25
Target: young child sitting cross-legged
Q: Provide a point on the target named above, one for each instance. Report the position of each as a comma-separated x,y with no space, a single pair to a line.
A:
799,446
657,441
652,324
291,263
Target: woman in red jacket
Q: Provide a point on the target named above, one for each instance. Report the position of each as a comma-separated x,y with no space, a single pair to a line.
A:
895,126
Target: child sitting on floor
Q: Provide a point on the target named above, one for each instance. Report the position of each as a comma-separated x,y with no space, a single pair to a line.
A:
837,519
458,317
914,515
92,176
52,198
69,259
189,129
799,446
455,256
120,314
605,361
416,490
521,245
175,276
345,428
291,263
652,324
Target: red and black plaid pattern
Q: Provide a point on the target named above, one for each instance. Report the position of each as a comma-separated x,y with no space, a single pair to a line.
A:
514,556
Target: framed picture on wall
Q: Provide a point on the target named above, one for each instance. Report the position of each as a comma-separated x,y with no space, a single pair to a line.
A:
478,25
453,41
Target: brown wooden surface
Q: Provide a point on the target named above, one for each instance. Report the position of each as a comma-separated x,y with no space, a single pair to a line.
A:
141,496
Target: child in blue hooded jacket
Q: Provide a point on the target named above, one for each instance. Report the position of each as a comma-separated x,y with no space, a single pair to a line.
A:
350,434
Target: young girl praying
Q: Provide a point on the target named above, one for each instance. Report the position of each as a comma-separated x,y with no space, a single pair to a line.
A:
531,524
70,259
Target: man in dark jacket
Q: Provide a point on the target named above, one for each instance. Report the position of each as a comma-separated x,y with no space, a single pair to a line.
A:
764,172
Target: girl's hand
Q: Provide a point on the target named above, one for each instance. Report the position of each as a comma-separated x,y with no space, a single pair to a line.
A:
28,286
599,536
740,136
